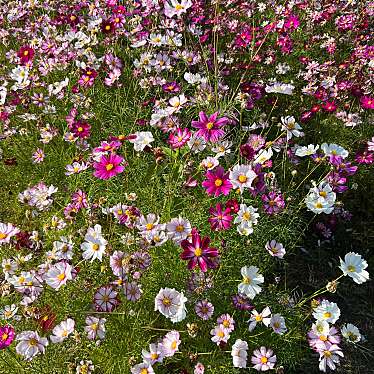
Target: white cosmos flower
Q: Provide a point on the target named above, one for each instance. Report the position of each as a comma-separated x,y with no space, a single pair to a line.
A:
353,266
62,331
278,324
142,140
30,344
239,354
256,317
246,218
263,156
58,274
303,151
94,245
334,150
171,304
282,88
327,311
242,176
291,127
351,333
251,281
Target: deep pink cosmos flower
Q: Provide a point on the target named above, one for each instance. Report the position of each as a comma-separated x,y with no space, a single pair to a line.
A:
292,22
209,128
179,138
25,54
171,87
329,106
217,182
198,252
80,129
273,202
367,102
108,167
364,157
220,219
6,336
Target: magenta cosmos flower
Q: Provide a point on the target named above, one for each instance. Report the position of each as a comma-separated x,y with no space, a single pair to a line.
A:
217,182
209,128
25,54
367,102
108,167
273,202
6,336
220,219
198,252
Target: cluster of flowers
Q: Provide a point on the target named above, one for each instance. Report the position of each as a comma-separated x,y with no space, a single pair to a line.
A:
323,338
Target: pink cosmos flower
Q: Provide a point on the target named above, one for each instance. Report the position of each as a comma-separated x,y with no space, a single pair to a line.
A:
106,299
25,54
108,167
220,219
6,336
204,309
80,129
7,230
273,202
198,252
263,359
209,128
367,102
217,182
179,138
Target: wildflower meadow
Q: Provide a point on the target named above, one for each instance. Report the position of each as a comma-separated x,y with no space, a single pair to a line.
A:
186,186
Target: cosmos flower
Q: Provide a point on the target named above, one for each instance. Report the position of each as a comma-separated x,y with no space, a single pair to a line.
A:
217,182
251,281
198,252
171,304
108,166
239,354
351,333
354,266
170,343
242,176
95,328
94,245
329,356
62,331
220,219
25,54
263,317
30,344
6,336
106,299
327,311
204,309
58,275
219,335
209,128
263,359
7,230
155,354
275,249
278,324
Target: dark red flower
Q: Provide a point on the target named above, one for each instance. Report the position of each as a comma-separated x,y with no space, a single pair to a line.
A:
25,54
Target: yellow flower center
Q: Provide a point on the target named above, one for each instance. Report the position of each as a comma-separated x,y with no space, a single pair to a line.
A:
166,301
247,280
25,53
149,226
174,345
144,371
3,235
264,360
4,337
327,314
351,268
319,206
33,342
80,129
323,194
209,125
179,7
61,277
109,167
107,27
154,356
226,323
198,252
327,354
258,318
242,178
220,334
64,333
179,228
218,182
323,338
246,216
94,326
276,325
95,247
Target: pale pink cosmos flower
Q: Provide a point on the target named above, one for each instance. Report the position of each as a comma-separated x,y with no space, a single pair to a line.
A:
263,359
